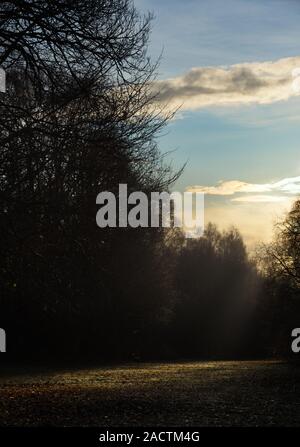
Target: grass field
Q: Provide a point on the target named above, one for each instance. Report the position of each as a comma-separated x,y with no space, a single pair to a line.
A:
258,393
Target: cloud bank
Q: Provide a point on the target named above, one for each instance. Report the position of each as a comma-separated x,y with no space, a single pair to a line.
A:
247,83
232,187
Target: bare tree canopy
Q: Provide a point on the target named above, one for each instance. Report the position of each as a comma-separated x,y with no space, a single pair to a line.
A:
77,36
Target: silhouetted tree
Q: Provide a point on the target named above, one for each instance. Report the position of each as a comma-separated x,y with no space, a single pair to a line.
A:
218,288
279,262
284,253
77,119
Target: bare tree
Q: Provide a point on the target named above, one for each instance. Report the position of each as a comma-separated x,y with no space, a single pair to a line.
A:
77,118
282,257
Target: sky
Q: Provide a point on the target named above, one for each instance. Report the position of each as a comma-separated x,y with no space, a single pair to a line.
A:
233,68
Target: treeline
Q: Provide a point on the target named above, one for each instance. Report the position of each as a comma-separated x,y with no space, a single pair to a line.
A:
77,118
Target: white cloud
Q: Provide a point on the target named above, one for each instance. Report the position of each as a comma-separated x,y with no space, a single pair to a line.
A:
231,187
246,83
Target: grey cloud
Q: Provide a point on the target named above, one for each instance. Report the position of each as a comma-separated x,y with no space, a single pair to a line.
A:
256,82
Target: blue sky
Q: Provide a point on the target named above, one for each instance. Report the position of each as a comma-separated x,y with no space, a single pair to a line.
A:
217,32
255,142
